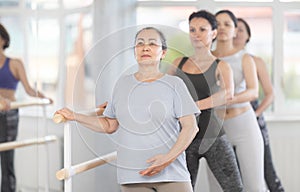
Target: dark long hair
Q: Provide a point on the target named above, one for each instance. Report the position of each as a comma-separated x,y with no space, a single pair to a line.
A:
5,36
247,28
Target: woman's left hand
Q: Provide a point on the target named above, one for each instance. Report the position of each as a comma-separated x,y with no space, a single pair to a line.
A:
159,162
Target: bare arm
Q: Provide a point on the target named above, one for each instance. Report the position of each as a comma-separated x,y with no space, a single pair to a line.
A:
187,134
265,81
20,73
251,92
93,122
225,77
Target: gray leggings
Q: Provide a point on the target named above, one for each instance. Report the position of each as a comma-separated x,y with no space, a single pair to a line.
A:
220,158
158,187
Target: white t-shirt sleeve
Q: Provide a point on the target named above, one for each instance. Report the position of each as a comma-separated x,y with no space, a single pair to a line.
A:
183,101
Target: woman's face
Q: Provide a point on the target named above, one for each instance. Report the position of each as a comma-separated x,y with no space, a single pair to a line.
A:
148,47
2,42
241,35
201,33
226,28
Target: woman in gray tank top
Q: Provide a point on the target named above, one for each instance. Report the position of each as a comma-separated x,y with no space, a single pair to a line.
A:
240,41
240,122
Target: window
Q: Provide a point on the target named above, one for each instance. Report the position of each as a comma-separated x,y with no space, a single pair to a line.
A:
79,29
45,4
291,58
36,38
43,54
9,3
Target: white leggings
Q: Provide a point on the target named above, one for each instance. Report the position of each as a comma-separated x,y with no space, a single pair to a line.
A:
244,134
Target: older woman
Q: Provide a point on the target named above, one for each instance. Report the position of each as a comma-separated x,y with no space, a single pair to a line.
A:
153,116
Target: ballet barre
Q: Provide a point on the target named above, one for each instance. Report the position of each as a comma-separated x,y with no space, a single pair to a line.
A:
19,104
58,118
36,141
66,173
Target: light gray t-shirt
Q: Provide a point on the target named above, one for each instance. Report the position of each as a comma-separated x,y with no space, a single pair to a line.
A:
148,114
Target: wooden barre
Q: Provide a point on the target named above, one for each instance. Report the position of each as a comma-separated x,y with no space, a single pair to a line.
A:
19,104
66,173
17,144
58,118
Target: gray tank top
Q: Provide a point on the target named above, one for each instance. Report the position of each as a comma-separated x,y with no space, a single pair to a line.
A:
235,61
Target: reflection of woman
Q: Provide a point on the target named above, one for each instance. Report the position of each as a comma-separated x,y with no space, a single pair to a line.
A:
11,72
240,41
202,71
240,122
153,116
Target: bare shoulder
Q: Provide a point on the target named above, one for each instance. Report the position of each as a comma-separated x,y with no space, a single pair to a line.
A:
248,56
16,63
177,61
258,60
223,65
248,60
172,68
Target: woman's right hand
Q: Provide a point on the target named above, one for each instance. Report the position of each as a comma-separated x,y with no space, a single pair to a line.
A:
66,113
101,108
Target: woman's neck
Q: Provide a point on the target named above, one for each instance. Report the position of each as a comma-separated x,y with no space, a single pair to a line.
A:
239,46
2,55
148,74
202,55
224,48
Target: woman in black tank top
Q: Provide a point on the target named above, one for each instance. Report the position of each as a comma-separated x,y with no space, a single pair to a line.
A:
210,82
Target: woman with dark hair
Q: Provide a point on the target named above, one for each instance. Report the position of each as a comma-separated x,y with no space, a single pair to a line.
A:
240,41
240,122
153,117
11,72
210,82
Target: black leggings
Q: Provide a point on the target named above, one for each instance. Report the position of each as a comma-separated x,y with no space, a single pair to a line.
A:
272,180
220,158
8,132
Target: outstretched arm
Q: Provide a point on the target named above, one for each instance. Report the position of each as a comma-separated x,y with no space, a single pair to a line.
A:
93,122
20,73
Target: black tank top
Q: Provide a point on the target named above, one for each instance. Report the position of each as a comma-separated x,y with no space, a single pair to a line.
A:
201,86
